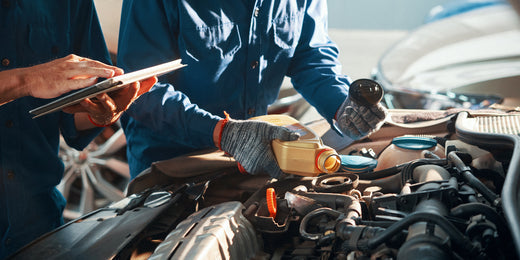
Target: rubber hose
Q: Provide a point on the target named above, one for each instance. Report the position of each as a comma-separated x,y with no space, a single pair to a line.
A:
316,212
471,209
382,173
407,173
457,237
473,181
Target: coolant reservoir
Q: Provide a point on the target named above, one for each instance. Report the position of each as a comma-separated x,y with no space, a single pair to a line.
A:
307,156
407,148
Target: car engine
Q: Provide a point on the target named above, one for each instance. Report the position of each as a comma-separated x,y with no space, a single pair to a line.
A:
454,194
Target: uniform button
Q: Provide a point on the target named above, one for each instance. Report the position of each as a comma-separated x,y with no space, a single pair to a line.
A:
10,174
6,3
9,123
254,64
257,10
5,62
251,111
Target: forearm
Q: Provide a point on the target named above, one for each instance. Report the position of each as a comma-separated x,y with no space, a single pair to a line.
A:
171,114
315,69
319,82
12,85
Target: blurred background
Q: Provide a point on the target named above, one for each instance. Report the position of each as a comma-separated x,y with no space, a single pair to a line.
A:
363,30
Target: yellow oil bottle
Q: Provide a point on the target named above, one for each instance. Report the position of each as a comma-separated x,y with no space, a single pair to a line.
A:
307,156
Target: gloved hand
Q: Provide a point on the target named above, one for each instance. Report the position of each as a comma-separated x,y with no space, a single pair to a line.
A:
249,142
357,120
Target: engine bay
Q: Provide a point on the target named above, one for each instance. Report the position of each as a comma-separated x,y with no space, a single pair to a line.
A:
453,194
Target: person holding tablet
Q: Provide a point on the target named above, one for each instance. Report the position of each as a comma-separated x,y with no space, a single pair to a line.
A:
38,38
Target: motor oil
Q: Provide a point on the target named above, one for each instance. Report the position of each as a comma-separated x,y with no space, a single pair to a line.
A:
307,156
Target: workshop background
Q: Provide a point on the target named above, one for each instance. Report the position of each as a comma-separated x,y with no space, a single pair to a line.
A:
363,30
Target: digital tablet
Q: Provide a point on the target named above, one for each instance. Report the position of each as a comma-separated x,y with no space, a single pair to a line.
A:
107,85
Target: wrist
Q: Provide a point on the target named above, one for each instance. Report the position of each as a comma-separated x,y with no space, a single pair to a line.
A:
342,108
14,84
105,123
17,83
217,131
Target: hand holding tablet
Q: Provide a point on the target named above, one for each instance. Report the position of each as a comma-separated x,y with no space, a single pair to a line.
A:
107,85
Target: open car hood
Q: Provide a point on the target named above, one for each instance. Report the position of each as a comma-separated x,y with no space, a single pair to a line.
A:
459,199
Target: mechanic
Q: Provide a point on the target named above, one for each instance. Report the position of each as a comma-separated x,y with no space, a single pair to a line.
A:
237,54
35,34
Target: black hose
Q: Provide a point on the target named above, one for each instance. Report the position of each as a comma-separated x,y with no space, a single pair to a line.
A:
382,173
430,155
467,189
473,181
399,168
441,140
471,209
407,173
375,223
305,220
456,236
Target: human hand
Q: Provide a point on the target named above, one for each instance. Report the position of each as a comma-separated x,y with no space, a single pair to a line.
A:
106,108
57,77
249,142
357,121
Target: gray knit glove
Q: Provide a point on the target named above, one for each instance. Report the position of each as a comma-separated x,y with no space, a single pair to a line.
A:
358,121
249,142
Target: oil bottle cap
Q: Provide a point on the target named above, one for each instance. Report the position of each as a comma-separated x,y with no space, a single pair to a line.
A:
357,164
270,196
366,92
414,142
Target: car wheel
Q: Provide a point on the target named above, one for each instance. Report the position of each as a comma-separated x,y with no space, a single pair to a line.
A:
95,176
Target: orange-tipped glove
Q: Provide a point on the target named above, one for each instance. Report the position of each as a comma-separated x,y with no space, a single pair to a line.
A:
249,142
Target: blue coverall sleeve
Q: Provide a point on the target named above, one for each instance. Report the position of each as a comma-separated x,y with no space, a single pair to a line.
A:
171,114
163,109
315,70
87,41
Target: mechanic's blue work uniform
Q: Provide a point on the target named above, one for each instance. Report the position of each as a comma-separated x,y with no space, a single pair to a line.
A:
237,53
35,32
